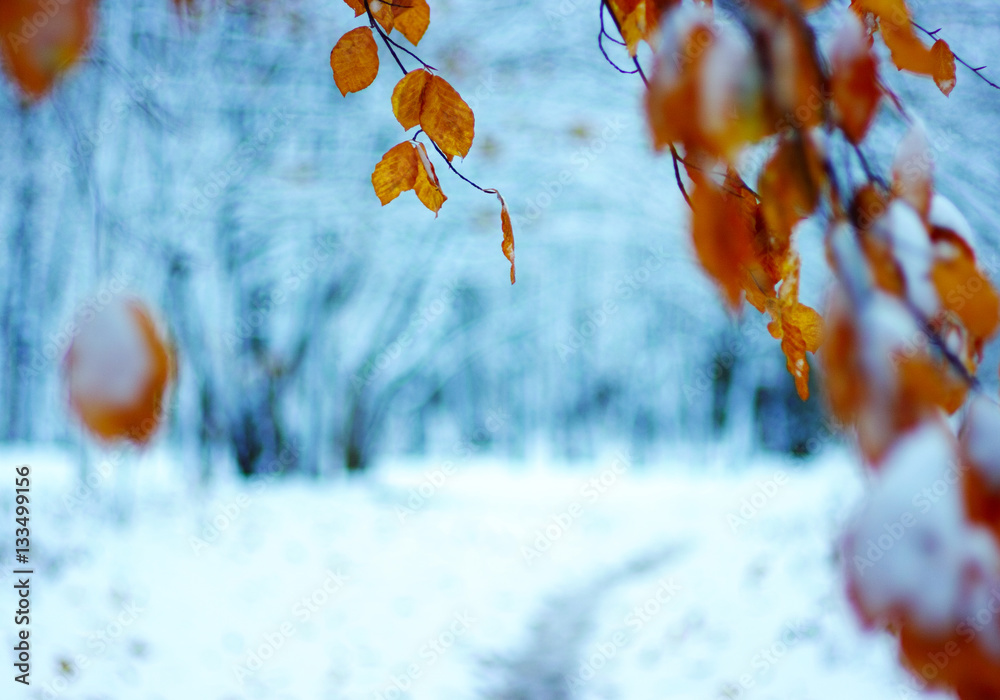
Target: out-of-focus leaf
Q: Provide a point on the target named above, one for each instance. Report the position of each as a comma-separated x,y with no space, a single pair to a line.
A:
40,40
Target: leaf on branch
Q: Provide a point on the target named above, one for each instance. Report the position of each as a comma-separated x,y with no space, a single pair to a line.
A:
405,167
799,327
963,288
944,66
396,172
354,60
788,185
412,19
908,52
637,20
706,90
854,80
34,54
357,5
723,237
427,187
507,245
796,86
428,100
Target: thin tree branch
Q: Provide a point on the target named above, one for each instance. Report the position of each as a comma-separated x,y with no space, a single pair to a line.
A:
449,164
378,28
978,71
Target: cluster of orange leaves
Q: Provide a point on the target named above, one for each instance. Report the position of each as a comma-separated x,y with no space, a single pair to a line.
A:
420,99
714,93
907,323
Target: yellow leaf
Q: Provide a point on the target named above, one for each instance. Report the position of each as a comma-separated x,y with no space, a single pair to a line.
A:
966,292
428,100
354,60
446,118
357,6
427,187
408,97
507,245
396,172
412,19
944,66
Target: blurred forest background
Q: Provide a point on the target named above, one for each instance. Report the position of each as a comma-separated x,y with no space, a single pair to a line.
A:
212,168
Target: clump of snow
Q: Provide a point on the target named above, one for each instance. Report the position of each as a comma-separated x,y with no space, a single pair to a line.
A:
946,215
910,553
110,359
849,43
902,227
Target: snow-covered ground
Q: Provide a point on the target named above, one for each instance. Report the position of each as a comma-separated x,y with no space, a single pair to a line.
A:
440,580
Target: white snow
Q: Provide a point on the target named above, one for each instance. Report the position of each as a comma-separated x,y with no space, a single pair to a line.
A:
944,214
902,226
627,581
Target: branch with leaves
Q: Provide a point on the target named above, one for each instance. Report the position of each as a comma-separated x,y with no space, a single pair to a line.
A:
420,99
911,309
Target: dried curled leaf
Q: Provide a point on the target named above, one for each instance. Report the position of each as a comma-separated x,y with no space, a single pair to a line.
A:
354,60
507,245
40,40
428,100
799,327
406,167
411,19
427,187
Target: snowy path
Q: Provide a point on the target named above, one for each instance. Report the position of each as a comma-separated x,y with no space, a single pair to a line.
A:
504,583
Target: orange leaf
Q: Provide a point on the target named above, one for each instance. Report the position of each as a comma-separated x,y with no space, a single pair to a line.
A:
944,66
799,326
854,80
396,172
427,187
446,118
382,12
908,52
357,6
412,20
118,369
40,40
408,97
633,21
507,245
405,167
965,291
723,238
354,60
788,185
428,100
